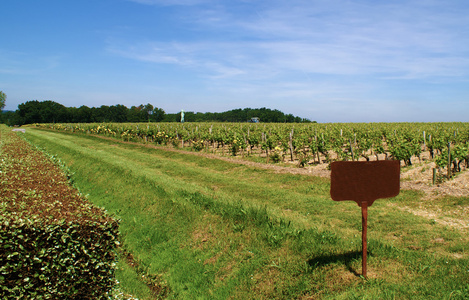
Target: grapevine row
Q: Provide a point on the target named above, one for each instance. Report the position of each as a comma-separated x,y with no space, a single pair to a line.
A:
302,143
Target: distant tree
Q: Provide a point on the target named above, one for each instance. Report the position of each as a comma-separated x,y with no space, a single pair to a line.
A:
42,112
53,112
101,114
200,117
29,112
157,115
172,117
84,114
237,115
147,110
118,113
289,118
206,116
10,118
50,112
3,98
136,114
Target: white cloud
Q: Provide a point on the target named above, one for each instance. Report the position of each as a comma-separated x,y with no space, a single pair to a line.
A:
309,57
332,37
151,53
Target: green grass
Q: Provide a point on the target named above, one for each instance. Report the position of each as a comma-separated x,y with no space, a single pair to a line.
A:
204,228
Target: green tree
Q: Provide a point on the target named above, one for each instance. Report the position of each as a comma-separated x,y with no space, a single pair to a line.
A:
118,113
158,114
137,114
83,114
147,110
3,98
102,113
42,112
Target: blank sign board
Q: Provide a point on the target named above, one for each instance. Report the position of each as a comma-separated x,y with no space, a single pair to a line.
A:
364,181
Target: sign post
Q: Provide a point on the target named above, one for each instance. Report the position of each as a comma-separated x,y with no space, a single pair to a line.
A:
364,182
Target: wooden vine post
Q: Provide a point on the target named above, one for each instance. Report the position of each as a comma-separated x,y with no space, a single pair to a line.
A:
364,182
351,149
449,161
291,145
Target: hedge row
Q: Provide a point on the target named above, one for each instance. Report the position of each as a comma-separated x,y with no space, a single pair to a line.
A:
53,243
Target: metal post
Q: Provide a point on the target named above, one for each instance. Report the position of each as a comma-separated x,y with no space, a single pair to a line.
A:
364,233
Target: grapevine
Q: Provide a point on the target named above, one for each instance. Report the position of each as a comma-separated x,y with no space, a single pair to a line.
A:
302,144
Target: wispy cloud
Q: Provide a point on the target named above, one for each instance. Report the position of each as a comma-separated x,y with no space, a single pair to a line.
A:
152,53
385,40
327,58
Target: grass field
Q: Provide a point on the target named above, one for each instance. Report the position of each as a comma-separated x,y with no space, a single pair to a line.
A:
199,228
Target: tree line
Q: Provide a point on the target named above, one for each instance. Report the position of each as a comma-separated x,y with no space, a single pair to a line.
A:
265,115
52,112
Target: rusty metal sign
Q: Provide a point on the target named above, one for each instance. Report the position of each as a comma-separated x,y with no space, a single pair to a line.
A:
364,182
361,181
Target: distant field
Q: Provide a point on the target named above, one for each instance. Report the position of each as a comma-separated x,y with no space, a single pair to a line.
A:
198,227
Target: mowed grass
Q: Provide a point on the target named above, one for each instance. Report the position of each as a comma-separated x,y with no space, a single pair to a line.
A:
200,228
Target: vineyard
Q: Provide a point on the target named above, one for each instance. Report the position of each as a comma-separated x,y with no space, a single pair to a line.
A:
196,227
303,144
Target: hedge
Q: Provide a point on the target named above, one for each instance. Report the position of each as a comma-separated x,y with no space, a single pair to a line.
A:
53,243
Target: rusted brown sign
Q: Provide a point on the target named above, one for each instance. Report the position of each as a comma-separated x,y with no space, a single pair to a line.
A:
364,182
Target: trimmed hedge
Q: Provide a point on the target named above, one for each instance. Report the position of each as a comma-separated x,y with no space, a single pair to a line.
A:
56,261
53,243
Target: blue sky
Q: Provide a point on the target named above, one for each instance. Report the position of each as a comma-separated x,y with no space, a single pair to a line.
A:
325,60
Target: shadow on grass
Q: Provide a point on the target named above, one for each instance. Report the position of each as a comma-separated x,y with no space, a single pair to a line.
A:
344,258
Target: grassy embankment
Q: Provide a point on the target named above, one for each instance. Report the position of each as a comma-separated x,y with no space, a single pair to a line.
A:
205,228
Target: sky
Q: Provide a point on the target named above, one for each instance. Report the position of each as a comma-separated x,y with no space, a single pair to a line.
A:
324,60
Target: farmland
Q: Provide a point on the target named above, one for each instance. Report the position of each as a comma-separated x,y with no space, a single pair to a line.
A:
195,226
305,143
431,153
